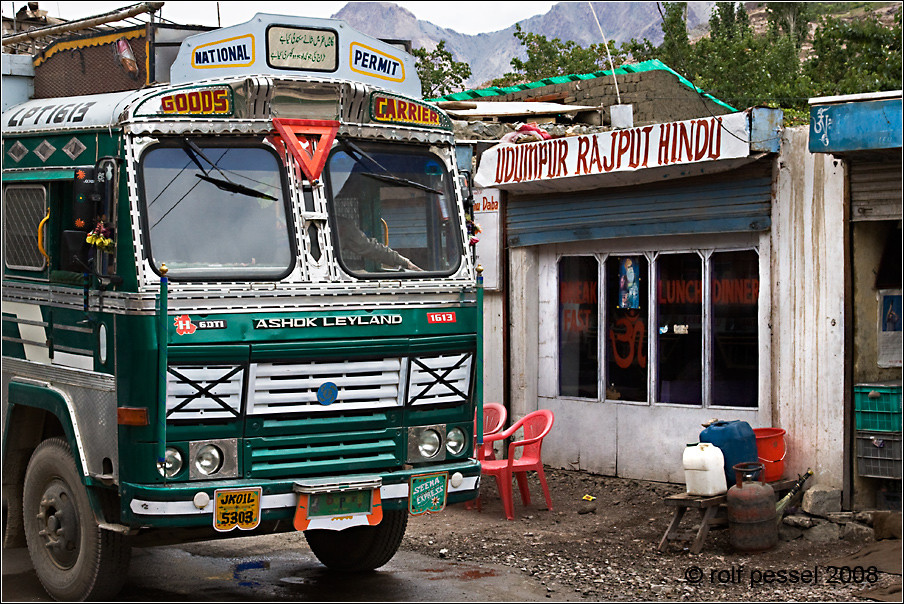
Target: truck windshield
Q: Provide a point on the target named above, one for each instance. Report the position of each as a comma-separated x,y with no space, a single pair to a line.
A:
215,212
393,211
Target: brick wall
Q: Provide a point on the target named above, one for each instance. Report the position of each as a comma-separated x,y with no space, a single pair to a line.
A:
657,96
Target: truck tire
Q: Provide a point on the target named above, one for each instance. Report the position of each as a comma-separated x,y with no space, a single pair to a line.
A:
360,548
74,559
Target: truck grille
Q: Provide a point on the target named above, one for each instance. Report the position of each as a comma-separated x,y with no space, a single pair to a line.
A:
330,444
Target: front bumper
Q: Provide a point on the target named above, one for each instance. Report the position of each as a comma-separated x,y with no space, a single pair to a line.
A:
174,505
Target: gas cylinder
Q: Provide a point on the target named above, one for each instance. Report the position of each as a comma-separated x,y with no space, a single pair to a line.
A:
751,510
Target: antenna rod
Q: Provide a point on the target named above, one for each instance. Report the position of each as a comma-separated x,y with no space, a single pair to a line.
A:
606,42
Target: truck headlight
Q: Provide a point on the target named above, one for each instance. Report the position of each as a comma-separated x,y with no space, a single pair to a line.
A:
429,442
172,463
426,443
208,460
456,441
213,459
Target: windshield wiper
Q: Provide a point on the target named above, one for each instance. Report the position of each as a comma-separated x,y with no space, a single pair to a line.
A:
233,187
401,181
384,174
224,184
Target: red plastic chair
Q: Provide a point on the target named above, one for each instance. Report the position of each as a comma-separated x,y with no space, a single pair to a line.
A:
494,416
536,426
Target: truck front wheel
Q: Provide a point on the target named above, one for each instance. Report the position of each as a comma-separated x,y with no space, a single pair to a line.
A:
74,559
360,548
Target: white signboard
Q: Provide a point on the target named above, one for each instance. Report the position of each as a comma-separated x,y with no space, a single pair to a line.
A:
284,44
300,48
656,145
487,213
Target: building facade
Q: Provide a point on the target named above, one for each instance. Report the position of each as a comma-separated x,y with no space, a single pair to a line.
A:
674,273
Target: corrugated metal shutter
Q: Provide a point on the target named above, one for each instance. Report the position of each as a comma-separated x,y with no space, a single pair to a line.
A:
737,201
876,189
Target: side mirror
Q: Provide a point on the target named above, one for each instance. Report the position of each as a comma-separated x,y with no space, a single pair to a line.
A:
466,190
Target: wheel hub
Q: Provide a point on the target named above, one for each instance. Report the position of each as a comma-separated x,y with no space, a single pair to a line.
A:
59,526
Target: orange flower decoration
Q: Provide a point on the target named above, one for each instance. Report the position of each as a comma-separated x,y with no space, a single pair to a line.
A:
79,223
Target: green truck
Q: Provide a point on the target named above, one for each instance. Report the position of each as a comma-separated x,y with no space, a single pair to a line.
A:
237,303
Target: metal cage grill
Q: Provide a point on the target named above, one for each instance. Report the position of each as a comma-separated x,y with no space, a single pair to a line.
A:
24,206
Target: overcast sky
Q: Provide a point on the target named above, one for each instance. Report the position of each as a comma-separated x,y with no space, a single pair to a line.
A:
463,17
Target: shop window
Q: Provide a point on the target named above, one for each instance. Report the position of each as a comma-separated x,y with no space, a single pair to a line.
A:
704,319
627,310
735,290
679,301
578,327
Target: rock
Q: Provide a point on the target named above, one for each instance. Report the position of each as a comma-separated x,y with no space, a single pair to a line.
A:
821,501
864,518
854,531
789,533
887,525
798,521
840,517
823,533
587,507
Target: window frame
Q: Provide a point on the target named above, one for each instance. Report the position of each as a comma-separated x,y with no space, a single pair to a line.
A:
450,193
230,143
653,256
31,271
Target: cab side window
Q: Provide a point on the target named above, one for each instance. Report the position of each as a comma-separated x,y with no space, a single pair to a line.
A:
25,236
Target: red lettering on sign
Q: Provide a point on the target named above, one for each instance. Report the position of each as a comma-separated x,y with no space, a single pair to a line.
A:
197,102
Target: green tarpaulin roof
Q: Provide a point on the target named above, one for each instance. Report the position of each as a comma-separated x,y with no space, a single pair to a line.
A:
653,65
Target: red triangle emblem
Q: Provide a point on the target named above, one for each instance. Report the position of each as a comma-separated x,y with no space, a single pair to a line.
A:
309,141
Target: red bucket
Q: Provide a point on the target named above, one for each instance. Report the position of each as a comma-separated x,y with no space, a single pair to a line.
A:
770,448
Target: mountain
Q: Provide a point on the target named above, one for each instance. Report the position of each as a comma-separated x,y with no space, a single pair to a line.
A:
490,54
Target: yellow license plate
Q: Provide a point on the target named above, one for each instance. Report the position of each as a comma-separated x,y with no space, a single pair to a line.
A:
237,509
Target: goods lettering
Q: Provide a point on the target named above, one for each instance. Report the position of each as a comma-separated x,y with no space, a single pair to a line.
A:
197,102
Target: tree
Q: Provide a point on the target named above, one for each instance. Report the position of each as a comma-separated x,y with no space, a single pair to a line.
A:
791,18
676,48
440,74
856,56
551,58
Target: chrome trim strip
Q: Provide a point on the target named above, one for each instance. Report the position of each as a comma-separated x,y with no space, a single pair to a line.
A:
23,370
271,502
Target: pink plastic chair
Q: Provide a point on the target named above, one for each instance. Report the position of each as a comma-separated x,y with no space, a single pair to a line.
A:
536,426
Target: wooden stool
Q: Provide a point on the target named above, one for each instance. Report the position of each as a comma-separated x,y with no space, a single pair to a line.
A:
707,504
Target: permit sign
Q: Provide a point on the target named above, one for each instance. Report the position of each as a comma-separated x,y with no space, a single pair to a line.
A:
373,62
427,494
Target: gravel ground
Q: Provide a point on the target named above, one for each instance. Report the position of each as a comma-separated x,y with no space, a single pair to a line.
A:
610,553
